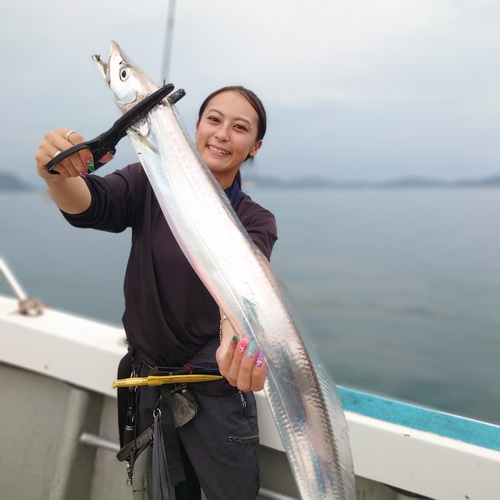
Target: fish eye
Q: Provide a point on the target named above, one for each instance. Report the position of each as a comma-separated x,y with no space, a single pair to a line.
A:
124,74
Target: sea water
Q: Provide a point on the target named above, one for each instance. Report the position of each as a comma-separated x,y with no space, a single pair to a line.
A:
400,288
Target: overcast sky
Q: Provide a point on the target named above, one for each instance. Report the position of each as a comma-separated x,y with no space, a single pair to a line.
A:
354,89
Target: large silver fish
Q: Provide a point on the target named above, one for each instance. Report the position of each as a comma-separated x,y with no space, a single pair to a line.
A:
302,397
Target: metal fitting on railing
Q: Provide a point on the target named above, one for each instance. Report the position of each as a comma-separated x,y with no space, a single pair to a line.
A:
27,306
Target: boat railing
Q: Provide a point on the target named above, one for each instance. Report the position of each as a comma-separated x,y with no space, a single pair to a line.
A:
27,306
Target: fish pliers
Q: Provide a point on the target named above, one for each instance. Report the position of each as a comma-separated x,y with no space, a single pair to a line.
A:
107,141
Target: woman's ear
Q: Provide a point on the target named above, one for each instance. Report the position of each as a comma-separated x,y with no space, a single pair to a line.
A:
255,148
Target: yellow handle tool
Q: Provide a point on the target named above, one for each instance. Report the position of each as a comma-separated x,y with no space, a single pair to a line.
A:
153,380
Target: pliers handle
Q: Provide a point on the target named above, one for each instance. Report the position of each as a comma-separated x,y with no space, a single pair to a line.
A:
107,141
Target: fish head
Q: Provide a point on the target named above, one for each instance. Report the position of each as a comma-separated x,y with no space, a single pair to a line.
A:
127,82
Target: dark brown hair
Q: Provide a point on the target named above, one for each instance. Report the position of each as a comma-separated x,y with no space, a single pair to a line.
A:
256,103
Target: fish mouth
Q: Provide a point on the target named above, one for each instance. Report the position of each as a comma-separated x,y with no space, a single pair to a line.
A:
220,151
103,67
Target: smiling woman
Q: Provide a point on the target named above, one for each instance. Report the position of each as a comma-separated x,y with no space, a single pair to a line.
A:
170,318
231,125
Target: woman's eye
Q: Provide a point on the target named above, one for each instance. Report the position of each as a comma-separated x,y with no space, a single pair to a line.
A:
241,127
213,119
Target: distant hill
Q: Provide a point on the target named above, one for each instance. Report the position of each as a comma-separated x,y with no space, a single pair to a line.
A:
10,182
493,180
254,181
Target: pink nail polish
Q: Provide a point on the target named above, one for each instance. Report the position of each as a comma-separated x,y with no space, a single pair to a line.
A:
259,361
242,345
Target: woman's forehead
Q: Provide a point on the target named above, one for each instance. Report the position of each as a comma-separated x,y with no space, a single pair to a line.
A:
234,104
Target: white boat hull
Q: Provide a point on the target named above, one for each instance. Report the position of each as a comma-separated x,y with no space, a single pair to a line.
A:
59,426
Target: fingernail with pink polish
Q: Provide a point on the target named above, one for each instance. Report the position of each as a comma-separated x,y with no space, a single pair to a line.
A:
259,361
242,345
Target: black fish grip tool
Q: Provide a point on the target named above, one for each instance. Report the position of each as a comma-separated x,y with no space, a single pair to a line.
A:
107,141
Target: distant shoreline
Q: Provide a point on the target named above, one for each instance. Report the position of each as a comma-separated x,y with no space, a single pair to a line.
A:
404,183
10,182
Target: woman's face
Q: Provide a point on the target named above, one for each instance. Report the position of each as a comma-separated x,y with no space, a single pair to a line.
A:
226,134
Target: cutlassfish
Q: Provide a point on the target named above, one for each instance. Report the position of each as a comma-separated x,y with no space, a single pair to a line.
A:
303,399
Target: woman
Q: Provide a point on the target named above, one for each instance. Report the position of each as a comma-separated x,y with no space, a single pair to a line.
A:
170,318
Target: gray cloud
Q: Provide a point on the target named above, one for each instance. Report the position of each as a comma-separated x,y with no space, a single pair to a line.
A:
360,89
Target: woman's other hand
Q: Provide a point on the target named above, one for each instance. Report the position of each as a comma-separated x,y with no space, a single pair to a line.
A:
240,362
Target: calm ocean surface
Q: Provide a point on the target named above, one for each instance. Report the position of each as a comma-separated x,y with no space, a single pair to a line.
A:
400,288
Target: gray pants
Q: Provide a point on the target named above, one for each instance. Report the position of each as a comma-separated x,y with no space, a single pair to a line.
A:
220,445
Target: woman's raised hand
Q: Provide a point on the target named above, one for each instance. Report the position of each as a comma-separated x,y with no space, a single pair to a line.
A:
55,142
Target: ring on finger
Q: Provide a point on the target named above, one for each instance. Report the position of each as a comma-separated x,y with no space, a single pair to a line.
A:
69,133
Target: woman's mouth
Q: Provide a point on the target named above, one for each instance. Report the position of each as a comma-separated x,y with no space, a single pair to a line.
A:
218,150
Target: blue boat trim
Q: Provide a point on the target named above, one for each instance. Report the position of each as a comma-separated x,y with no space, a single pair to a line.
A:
422,419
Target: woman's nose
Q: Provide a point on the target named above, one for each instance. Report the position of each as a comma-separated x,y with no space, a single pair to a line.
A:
222,134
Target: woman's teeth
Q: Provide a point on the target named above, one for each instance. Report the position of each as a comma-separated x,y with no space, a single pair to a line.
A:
218,150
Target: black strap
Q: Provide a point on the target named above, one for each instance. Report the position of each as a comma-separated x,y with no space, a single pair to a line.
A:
124,370
135,445
161,486
175,468
127,398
